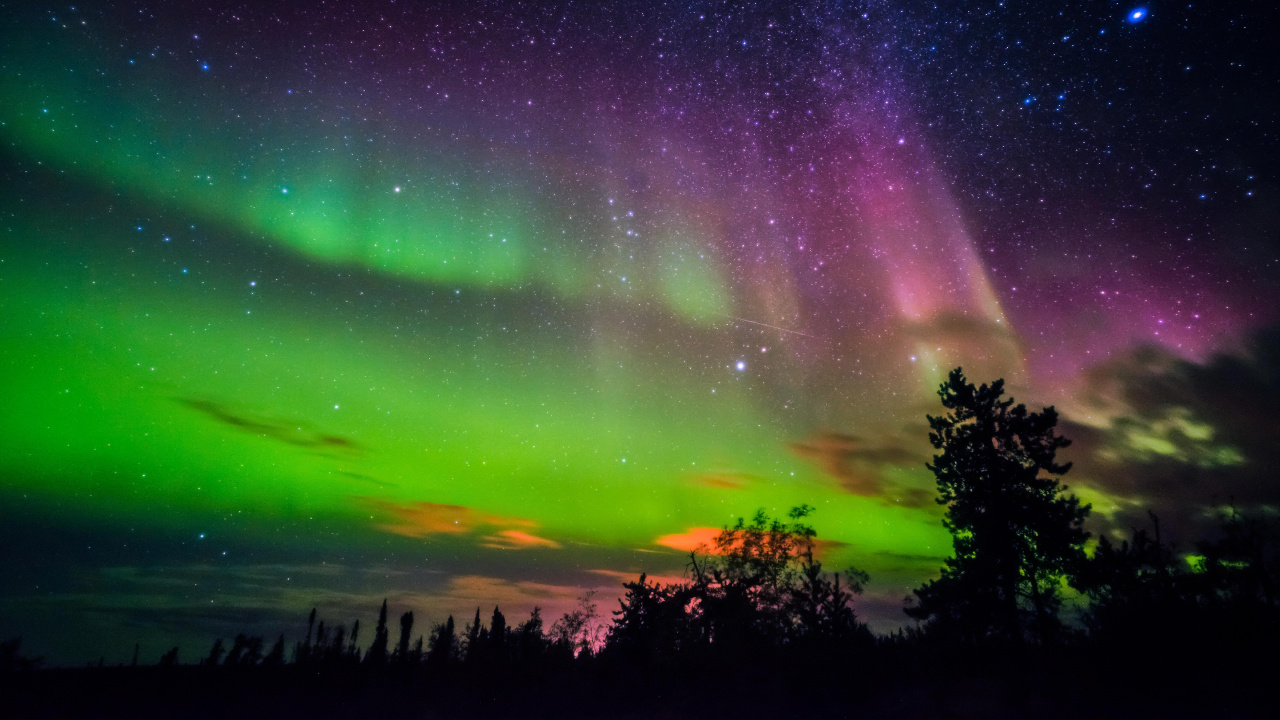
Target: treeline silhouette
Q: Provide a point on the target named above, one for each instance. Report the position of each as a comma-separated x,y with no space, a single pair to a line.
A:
758,626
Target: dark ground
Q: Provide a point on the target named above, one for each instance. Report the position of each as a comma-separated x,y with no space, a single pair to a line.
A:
902,688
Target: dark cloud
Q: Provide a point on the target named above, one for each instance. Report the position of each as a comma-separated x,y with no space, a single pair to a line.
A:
1184,437
291,433
860,465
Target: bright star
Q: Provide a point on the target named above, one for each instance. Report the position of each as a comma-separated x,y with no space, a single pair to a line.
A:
741,365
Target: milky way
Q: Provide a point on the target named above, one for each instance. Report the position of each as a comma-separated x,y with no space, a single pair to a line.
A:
485,303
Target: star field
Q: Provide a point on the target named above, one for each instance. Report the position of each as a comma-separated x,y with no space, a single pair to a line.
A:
464,303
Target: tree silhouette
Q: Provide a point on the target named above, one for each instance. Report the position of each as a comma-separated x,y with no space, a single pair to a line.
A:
306,647
1014,533
760,586
169,659
651,625
353,650
215,653
317,650
406,629
246,650
377,653
275,657
337,649
12,659
472,637
1136,589
529,642
578,631
821,607
443,645
496,643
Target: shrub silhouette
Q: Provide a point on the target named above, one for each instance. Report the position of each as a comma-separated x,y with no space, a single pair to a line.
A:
758,586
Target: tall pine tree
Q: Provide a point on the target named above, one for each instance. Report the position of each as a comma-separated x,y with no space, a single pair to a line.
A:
1014,532
378,650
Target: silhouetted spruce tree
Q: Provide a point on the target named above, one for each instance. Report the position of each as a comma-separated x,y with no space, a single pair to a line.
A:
377,653
820,606
337,650
1014,533
275,657
305,656
530,644
651,624
473,650
246,650
497,641
12,660
169,659
353,650
1137,590
215,653
316,653
443,644
406,630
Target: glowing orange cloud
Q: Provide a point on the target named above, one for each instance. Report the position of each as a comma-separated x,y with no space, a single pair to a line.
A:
690,540
422,519
517,539
626,577
724,481
702,539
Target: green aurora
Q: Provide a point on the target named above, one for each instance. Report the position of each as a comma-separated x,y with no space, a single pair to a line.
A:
276,334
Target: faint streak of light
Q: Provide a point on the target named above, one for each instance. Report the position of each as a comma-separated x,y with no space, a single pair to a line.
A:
775,327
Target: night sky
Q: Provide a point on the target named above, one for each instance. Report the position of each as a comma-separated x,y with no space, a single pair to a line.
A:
476,303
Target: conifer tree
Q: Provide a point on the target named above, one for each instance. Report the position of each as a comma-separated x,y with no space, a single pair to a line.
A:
497,635
275,657
353,650
1015,534
306,647
474,630
406,629
378,650
443,643
169,659
215,653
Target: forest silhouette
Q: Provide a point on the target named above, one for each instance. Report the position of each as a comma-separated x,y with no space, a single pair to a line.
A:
759,627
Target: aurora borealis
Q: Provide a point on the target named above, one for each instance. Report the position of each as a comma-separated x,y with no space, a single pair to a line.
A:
461,304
